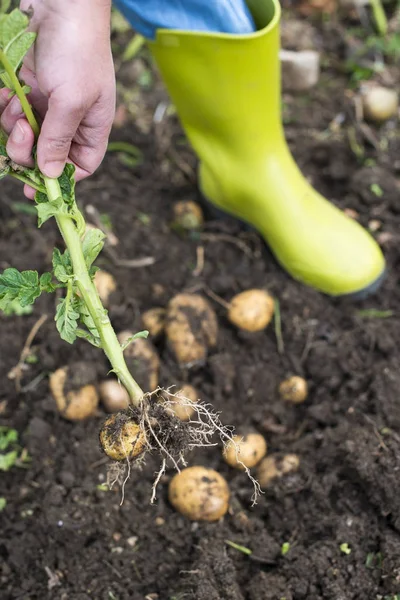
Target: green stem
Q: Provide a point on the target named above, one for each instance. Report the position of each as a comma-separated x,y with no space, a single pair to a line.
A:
109,340
379,16
26,180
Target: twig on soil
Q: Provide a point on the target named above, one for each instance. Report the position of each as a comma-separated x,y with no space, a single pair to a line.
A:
17,371
200,261
224,237
278,327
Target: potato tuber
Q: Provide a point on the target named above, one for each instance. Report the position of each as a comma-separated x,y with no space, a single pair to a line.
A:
294,389
379,103
188,215
105,285
74,405
273,467
191,328
142,360
154,321
248,449
199,494
251,310
178,402
121,438
113,395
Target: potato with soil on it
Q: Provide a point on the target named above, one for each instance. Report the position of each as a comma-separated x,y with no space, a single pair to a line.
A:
191,328
188,215
251,310
294,390
122,438
245,451
154,321
178,403
105,285
200,494
73,390
113,395
142,361
273,467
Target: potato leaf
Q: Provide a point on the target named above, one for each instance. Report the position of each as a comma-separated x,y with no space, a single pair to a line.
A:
4,6
66,319
46,284
67,184
62,265
141,334
92,245
46,210
23,286
16,52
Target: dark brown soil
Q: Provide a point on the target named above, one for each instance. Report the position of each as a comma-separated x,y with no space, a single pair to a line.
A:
63,537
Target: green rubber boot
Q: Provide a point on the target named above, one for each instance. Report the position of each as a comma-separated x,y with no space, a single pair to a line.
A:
226,89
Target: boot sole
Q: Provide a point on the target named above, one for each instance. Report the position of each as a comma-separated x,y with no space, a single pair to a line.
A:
216,214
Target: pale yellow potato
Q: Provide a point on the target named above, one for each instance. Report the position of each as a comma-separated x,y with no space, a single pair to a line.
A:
154,321
113,395
248,449
273,467
75,405
105,285
188,215
251,310
142,360
191,328
294,389
379,103
177,402
199,494
121,438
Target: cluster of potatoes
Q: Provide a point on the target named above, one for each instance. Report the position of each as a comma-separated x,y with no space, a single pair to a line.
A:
190,326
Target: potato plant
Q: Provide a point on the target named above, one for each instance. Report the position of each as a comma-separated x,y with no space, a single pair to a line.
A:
147,424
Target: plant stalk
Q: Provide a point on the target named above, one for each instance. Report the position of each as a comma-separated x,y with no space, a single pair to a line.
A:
68,230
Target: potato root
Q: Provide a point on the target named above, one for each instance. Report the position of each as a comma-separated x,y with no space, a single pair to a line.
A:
154,321
105,285
251,310
273,467
178,404
74,404
199,494
142,360
188,215
121,438
191,328
113,395
248,449
294,389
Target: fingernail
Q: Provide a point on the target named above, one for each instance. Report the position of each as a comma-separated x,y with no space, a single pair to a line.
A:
15,107
53,169
18,134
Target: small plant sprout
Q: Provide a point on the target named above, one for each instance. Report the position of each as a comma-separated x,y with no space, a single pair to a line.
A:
345,548
146,424
285,548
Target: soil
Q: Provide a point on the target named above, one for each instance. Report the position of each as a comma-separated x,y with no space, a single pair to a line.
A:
64,536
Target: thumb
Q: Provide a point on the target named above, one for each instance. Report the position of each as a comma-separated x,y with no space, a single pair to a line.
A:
61,121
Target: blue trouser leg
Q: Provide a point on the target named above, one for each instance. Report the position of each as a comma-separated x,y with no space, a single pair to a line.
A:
224,16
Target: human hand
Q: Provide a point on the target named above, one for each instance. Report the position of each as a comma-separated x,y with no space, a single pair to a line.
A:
71,73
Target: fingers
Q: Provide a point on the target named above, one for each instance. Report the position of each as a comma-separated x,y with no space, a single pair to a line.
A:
20,143
60,124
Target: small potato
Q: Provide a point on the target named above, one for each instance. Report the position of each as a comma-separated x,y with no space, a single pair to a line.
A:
121,438
379,103
248,449
113,395
105,285
188,215
251,310
74,405
154,321
191,328
184,413
142,360
273,467
294,389
199,494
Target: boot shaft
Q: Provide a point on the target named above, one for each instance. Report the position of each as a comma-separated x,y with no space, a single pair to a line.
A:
226,88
